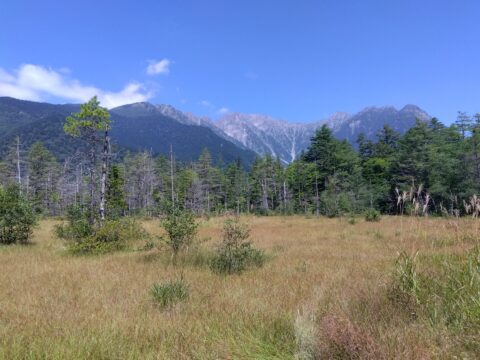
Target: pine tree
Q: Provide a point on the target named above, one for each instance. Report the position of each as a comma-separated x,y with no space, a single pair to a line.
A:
86,125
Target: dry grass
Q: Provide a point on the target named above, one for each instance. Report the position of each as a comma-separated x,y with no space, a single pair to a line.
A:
324,272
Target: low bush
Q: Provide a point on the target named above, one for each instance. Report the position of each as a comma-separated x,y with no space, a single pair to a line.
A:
169,293
77,226
17,217
108,236
181,228
372,215
236,253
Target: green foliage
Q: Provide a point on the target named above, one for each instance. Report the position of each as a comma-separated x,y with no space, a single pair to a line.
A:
236,253
113,235
169,293
406,288
17,217
447,294
84,238
372,215
181,227
116,204
91,118
43,169
77,226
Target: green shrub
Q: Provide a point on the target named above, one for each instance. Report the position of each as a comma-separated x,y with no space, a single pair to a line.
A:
181,228
372,215
169,293
77,227
17,217
112,235
236,253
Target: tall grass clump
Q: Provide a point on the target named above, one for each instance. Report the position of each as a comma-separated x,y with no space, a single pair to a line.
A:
406,288
306,334
169,293
445,294
236,253
17,217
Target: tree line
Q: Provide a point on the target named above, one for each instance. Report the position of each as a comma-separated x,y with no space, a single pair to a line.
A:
431,169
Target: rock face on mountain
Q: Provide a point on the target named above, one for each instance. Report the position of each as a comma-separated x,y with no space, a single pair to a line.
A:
285,140
265,135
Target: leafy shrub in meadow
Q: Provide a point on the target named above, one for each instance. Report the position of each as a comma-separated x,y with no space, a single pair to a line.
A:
169,293
77,226
236,253
107,236
17,217
181,228
372,215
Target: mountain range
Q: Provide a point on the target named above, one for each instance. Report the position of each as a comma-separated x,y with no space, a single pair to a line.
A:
144,126
286,140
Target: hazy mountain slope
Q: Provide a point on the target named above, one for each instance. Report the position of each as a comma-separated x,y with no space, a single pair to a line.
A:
370,120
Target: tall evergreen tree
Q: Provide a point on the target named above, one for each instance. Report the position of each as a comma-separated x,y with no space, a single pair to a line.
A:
87,124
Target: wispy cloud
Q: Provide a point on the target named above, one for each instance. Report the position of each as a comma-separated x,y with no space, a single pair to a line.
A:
223,111
159,67
35,82
206,103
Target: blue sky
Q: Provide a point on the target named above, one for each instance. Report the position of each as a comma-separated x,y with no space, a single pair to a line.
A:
295,60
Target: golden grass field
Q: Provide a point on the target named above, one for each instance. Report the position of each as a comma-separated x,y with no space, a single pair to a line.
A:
325,280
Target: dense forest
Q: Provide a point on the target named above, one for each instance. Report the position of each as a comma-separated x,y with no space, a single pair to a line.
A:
431,169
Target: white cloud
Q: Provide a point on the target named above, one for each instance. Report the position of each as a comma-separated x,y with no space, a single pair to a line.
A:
159,67
223,111
35,82
131,93
206,103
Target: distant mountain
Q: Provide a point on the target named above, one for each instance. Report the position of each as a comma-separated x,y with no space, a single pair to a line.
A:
33,121
371,119
144,126
265,135
135,127
286,140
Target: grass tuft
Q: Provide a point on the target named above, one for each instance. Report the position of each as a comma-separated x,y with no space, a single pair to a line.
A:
169,293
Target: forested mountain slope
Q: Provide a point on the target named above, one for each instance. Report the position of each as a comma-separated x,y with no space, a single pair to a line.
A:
134,127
